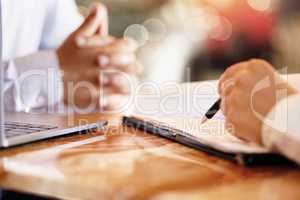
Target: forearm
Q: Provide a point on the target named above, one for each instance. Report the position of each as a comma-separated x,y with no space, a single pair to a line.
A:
32,82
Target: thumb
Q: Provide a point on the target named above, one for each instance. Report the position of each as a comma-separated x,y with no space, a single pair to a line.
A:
95,23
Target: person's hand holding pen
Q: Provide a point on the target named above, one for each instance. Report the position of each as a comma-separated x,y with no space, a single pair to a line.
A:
248,91
87,54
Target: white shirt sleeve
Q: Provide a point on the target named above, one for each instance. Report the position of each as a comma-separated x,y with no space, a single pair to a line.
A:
32,82
62,19
281,129
293,80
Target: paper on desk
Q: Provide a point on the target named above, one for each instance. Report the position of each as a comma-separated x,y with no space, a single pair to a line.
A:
182,108
180,100
213,134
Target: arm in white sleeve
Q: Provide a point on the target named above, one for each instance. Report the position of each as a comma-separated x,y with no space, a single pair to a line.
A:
32,82
281,129
62,19
293,80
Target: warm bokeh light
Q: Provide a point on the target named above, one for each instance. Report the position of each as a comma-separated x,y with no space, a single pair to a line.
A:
222,31
156,28
222,3
137,32
260,5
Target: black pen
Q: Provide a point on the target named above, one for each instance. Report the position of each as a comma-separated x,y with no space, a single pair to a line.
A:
212,111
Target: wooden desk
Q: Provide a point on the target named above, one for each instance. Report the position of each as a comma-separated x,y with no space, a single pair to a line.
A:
122,163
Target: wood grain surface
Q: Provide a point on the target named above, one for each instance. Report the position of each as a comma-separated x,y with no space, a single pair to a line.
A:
122,163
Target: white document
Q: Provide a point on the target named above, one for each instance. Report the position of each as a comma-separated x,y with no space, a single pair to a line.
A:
212,133
181,107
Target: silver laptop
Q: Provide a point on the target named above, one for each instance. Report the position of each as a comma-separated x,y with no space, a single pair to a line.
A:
20,128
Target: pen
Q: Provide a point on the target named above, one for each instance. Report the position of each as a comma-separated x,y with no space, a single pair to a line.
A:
212,111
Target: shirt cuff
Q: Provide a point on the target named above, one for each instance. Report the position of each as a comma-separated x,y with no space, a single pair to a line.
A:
33,82
39,60
281,127
293,80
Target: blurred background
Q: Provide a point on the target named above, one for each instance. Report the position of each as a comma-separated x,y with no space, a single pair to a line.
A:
194,40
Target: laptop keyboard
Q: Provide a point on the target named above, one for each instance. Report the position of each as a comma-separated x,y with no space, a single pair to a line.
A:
13,129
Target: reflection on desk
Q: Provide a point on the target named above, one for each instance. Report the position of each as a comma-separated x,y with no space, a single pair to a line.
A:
124,163
135,165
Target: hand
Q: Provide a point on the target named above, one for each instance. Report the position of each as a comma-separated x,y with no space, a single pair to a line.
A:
249,90
86,56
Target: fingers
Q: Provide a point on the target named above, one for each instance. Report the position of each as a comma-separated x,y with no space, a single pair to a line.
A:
105,61
227,87
240,127
258,64
119,46
114,102
122,62
229,74
227,102
236,87
117,83
112,53
95,23
103,27
84,94
120,56
94,41
107,44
